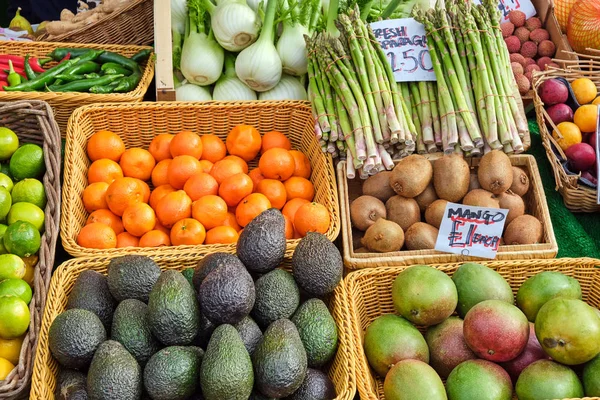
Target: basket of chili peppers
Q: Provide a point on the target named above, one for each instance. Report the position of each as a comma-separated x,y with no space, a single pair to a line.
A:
68,76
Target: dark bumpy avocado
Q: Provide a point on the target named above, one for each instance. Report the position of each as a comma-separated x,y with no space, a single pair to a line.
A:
316,386
227,294
188,273
277,296
250,333
261,246
74,337
226,371
173,313
257,396
132,277
205,331
131,329
211,262
317,265
173,373
279,360
71,385
114,374
90,292
317,331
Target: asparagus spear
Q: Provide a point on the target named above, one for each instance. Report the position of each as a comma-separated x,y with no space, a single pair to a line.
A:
431,88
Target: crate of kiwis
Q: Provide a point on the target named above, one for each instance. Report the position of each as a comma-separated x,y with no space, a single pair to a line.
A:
392,218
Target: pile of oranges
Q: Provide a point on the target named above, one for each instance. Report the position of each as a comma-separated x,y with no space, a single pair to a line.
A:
203,191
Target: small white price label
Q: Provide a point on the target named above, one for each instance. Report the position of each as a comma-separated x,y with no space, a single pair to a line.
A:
506,6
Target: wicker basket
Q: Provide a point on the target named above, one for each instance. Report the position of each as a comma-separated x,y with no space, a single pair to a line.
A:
130,25
32,121
535,201
370,295
576,196
45,371
138,124
64,104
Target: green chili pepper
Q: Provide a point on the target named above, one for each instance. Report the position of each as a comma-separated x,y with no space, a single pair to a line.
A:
28,70
43,79
91,55
105,57
68,78
110,88
111,68
85,84
82,68
60,53
141,55
13,78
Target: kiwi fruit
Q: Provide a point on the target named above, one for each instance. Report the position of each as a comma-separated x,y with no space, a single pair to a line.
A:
474,182
495,172
435,213
378,185
513,203
451,176
383,236
365,210
520,183
427,197
421,236
411,176
525,229
403,211
361,250
481,198
356,238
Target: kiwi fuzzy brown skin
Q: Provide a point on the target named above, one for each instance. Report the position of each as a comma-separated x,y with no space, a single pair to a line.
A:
402,211
420,236
520,183
495,172
411,176
513,203
365,210
474,182
525,229
481,198
378,185
383,237
427,197
435,213
451,175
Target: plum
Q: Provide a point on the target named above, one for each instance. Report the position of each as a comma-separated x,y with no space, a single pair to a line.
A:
582,157
553,92
560,113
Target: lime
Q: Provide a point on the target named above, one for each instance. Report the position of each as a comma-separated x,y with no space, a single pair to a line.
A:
22,238
11,267
14,317
5,169
5,368
26,212
16,287
6,182
5,203
10,349
2,230
29,191
9,143
27,162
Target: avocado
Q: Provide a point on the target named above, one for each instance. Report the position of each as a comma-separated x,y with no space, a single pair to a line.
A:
250,333
211,262
277,296
227,294
71,385
316,386
257,396
132,277
317,331
226,370
261,245
131,329
90,292
74,336
114,374
188,273
205,331
172,373
279,360
317,265
173,313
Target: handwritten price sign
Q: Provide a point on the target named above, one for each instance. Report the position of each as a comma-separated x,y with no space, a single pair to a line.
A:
471,231
506,6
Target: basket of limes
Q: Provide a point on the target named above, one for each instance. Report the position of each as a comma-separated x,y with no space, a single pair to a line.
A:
29,221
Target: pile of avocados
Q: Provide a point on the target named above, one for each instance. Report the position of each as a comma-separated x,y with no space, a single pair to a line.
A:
236,327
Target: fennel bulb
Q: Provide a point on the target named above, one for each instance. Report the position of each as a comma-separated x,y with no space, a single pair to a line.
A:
190,92
229,87
259,65
234,24
178,15
288,88
291,48
255,4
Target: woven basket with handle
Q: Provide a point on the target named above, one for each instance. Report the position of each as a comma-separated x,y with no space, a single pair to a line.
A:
32,121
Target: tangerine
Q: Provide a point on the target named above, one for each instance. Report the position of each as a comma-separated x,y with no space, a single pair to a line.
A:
244,141
107,218
297,187
290,208
206,166
201,184
311,217
289,228
256,177
231,221
569,135
186,143
97,236
159,227
173,207
154,238
188,231
224,169
213,148
105,144
302,164
137,163
222,235
584,89
160,173
122,193
250,207
94,196
275,139
145,190
104,170
210,211
160,146
277,164
239,160
181,169
274,190
235,188
139,219
126,239
586,118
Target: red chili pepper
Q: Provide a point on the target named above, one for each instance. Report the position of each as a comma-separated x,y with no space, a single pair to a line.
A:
3,75
65,58
19,62
16,60
2,84
36,64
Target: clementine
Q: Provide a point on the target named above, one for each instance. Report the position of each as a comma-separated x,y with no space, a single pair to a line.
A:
160,146
290,208
302,164
231,221
289,228
160,173
173,207
206,166
297,187
105,144
311,217
277,164
107,218
221,235
256,177
188,231
104,170
239,160
243,141
122,193
139,219
94,196
137,163
250,207
154,238
235,188
160,192
126,239
224,169
275,139
200,184
181,169
210,211
213,148
275,192
97,236
186,143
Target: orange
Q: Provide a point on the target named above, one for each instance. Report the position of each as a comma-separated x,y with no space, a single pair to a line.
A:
210,210
289,228
107,218
160,146
241,162
94,196
277,164
97,236
200,184
160,192
231,221
188,231
311,217
139,219
206,166
235,188
213,148
585,90
186,143
302,164
586,118
159,227
105,144
224,169
145,190
275,192
126,239
243,141
122,193
275,139
154,239
137,163
181,169
290,208
297,187
221,235
160,173
256,177
173,207
104,170
570,134
250,207
596,101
